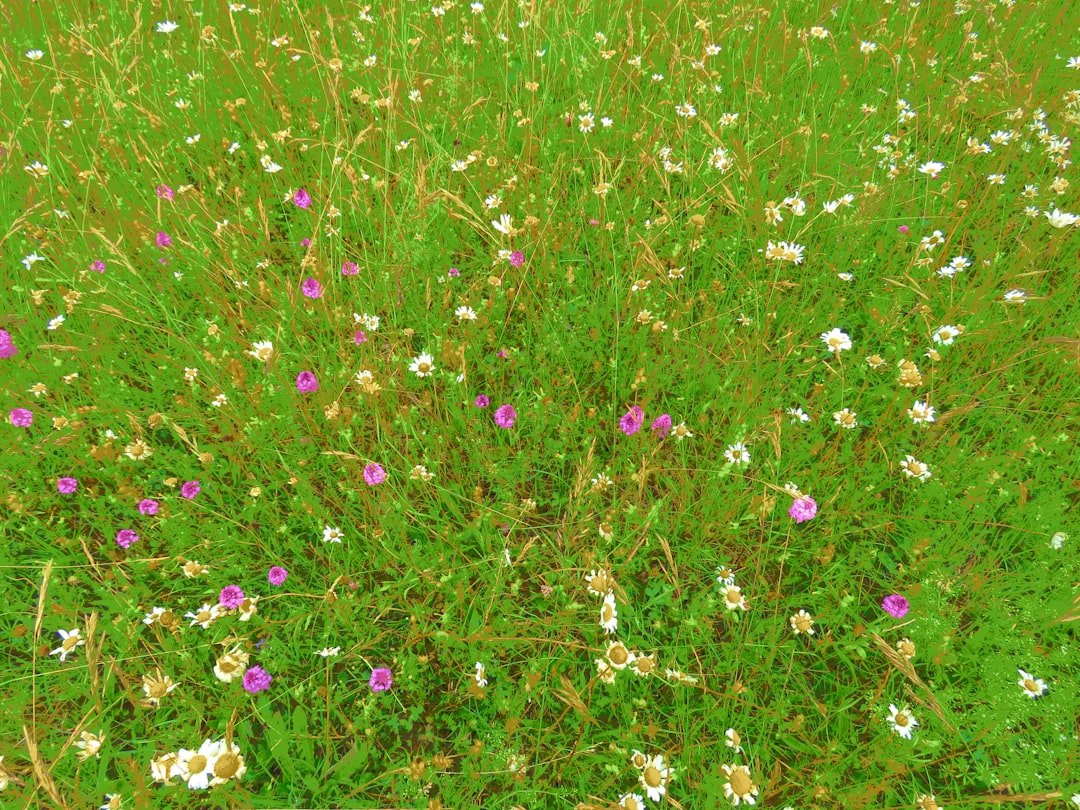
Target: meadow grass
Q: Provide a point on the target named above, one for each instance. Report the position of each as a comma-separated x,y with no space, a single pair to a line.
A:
726,215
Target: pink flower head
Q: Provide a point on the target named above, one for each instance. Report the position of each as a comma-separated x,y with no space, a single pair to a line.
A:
661,425
7,345
454,272
164,192
190,489
163,239
359,337
374,474
381,679
350,269
65,486
903,229
305,242
311,288
517,258
895,605
148,506
301,199
594,221
256,679
231,596
98,266
505,416
482,401
277,575
126,537
632,420
803,509
306,382
21,417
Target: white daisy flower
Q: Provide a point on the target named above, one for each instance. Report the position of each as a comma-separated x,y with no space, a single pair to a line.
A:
903,721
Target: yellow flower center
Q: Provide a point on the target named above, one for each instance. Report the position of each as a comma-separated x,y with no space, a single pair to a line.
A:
645,664
740,782
1030,685
907,649
733,596
605,613
197,764
617,654
157,689
227,766
803,623
70,642
653,777
902,719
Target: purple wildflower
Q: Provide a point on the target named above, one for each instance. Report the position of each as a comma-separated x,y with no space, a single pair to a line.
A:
895,605
482,401
7,345
98,266
277,575
517,258
661,425
359,337
301,199
231,596
374,474
164,192
163,239
305,242
306,382
190,489
454,272
256,679
350,269
67,485
21,417
311,288
505,416
126,537
803,509
381,679
148,506
632,420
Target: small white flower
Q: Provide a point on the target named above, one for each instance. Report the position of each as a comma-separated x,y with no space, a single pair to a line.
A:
1033,687
37,168
1061,219
167,27
903,721
836,340
921,412
70,639
480,676
504,225
946,334
332,534
55,323
737,454
422,365
465,313
798,415
913,468
932,168
609,616
1058,540
34,55
328,652
31,260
